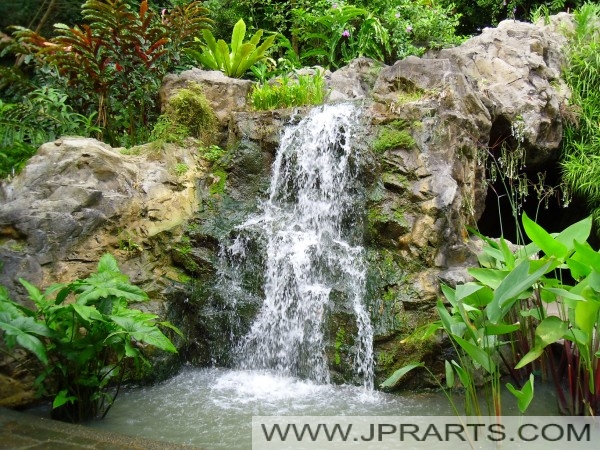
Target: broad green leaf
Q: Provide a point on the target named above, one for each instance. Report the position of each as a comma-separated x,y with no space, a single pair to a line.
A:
476,353
515,283
143,332
579,231
586,312
523,396
61,398
156,338
509,258
223,57
464,376
449,293
500,329
237,37
563,293
170,326
108,263
543,239
24,339
550,330
449,374
34,293
578,269
445,317
465,290
210,42
585,254
594,280
87,313
398,374
489,277
242,60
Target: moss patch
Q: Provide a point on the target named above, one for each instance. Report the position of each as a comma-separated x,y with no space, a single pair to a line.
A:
218,187
393,135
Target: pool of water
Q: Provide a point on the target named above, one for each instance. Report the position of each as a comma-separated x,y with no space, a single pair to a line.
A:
213,408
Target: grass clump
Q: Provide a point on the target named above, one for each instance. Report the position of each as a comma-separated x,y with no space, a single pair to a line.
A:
581,143
286,92
393,135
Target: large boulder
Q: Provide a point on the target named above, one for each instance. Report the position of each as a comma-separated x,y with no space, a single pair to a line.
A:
79,198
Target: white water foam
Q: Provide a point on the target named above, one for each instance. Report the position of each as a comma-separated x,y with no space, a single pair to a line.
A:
312,249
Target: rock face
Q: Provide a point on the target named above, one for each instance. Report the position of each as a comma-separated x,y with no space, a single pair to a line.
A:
79,198
431,122
224,94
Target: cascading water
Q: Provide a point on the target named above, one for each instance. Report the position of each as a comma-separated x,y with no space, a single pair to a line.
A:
312,233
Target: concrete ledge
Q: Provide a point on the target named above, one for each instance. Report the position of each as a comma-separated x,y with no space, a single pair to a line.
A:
24,431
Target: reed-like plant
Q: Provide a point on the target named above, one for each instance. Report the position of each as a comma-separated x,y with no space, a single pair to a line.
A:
517,298
581,144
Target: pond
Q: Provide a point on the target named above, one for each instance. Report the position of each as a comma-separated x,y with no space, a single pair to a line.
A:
213,408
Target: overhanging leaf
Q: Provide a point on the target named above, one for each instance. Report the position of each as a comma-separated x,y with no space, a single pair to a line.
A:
543,239
550,330
398,374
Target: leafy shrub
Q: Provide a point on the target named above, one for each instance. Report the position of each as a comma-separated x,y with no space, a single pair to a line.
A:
87,336
284,92
115,62
341,34
237,60
382,30
42,116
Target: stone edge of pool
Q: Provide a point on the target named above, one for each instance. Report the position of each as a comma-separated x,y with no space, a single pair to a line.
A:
23,431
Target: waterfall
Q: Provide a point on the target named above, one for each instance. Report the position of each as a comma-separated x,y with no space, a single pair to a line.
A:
311,231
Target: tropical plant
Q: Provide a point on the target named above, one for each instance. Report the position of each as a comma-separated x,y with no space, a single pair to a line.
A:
115,62
42,116
518,303
284,92
237,60
342,33
581,144
87,336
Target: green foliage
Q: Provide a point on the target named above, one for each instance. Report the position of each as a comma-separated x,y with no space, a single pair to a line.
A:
114,63
340,34
166,130
189,108
235,60
581,144
42,116
517,303
385,31
393,135
218,187
284,92
212,153
416,27
87,336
